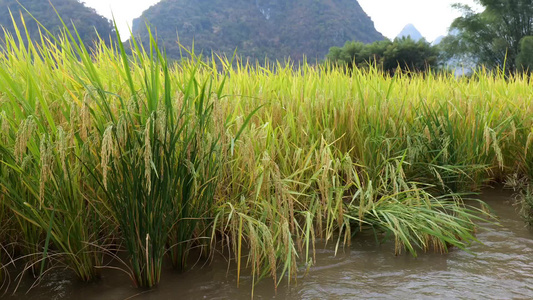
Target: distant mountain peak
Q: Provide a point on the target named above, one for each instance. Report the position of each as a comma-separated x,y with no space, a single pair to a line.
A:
438,40
410,30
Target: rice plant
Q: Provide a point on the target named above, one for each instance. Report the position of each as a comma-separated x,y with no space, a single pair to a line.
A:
525,203
158,164
110,149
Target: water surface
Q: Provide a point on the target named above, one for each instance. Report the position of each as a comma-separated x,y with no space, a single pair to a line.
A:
500,268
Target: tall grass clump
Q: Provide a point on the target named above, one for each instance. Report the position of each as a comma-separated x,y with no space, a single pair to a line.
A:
147,158
43,182
158,161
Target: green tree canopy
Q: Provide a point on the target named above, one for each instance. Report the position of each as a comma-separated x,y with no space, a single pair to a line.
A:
524,60
404,53
491,37
74,13
410,55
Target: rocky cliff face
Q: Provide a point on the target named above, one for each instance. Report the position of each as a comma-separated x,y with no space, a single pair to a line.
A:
258,28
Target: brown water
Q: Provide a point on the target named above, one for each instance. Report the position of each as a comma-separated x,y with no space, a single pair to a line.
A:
500,268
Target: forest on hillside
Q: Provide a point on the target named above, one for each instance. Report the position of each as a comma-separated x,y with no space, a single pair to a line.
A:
87,21
275,29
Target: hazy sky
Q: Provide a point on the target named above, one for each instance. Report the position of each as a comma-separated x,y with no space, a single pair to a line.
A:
124,11
431,17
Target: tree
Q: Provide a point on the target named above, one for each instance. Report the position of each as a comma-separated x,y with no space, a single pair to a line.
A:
409,55
524,60
352,52
491,37
404,53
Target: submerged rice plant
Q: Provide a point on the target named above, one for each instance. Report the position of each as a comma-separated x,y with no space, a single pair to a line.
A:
525,202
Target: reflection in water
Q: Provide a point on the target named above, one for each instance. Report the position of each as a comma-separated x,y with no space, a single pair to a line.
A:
500,268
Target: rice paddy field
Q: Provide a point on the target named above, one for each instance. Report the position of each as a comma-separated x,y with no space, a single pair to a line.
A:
116,159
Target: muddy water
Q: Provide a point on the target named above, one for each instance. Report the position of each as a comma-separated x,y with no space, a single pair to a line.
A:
500,268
